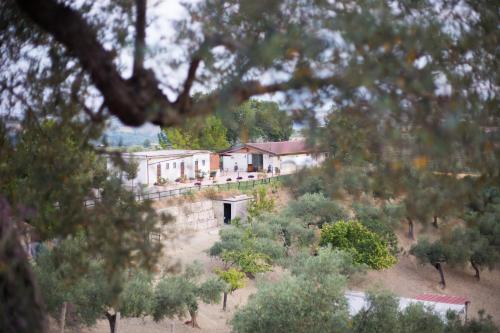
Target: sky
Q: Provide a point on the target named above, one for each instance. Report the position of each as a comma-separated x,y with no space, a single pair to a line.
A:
161,15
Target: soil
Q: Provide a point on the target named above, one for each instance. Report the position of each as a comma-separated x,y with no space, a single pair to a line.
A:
409,278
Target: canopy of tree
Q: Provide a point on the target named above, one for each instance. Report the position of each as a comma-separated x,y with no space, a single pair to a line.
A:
207,133
252,121
256,120
365,246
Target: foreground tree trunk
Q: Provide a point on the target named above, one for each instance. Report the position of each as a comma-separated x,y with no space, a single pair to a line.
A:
224,302
113,321
193,322
435,222
21,304
439,267
410,228
473,264
63,316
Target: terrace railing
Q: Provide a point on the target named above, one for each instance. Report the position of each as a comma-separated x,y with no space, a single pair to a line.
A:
174,192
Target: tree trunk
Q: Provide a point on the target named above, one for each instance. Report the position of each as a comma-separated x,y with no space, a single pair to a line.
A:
224,302
112,321
473,264
22,306
439,267
435,222
63,316
193,321
410,228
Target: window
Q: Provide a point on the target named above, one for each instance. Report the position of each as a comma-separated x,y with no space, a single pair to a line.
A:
203,162
175,165
168,166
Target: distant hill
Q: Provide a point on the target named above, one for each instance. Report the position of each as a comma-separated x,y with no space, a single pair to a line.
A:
120,135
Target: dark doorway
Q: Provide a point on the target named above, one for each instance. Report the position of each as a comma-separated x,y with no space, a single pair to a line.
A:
158,173
196,169
227,213
257,162
182,169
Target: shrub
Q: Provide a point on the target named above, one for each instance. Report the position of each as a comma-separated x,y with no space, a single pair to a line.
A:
249,261
211,193
316,209
306,181
380,221
262,203
365,246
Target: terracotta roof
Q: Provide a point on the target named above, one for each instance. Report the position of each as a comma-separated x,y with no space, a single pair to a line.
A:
442,299
282,148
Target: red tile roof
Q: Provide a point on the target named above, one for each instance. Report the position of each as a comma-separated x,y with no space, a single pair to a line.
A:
282,148
442,299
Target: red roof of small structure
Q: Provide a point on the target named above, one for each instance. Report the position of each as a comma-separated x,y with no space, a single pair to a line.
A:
442,299
282,148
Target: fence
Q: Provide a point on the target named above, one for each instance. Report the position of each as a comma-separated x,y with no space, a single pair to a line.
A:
240,185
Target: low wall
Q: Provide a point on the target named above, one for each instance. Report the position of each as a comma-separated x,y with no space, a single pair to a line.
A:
192,215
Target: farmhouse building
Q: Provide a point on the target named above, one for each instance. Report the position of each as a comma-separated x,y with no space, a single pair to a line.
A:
272,157
156,167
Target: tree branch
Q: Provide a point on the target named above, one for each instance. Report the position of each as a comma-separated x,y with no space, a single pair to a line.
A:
140,36
139,99
183,99
69,28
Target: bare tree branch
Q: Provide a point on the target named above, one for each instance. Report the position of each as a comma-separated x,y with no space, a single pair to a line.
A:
69,28
183,98
97,116
140,36
139,99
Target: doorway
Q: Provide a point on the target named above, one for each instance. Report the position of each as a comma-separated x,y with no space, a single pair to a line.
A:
227,213
257,162
196,170
182,169
158,173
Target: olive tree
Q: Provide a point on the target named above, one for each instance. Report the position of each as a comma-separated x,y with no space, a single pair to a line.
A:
310,300
315,209
178,295
234,279
81,297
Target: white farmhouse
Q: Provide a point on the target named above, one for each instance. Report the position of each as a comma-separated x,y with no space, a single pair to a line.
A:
273,157
172,164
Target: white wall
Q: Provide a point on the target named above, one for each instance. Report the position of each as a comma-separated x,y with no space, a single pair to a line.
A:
228,162
172,173
286,163
142,177
147,172
293,163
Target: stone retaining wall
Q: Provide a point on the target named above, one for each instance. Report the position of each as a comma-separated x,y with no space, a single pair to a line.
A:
192,215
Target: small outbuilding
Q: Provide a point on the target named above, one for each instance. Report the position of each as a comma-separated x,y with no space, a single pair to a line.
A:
440,304
228,209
